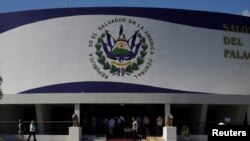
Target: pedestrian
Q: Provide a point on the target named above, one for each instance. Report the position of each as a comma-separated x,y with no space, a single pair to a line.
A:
111,127
146,125
227,120
134,129
159,125
21,130
127,131
32,130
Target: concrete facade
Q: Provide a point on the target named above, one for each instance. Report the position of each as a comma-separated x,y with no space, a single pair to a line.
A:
61,58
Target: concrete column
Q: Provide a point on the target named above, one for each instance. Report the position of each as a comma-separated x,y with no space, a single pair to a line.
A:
240,114
203,115
199,113
43,113
77,111
167,112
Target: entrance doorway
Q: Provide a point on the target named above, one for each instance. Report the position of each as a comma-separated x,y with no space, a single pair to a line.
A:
95,117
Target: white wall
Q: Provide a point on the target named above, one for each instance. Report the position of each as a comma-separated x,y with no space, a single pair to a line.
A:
184,57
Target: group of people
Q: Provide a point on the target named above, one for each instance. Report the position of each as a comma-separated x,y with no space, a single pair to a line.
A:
144,124
120,126
21,130
135,128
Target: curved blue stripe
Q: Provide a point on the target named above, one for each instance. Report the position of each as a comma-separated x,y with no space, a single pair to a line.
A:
100,87
186,17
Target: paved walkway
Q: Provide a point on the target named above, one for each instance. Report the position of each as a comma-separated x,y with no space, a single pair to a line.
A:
123,140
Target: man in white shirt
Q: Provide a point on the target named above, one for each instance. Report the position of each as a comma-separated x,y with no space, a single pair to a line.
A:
32,130
111,126
135,127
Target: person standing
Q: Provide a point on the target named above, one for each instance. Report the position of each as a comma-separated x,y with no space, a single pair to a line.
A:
32,130
159,125
21,130
227,120
111,127
134,129
146,125
93,125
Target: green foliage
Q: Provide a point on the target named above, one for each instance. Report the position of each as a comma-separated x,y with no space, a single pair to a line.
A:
140,61
98,46
129,69
106,66
113,70
144,47
185,131
100,40
101,58
120,51
143,54
99,53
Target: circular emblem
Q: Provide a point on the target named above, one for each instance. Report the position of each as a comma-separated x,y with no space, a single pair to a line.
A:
120,53
116,54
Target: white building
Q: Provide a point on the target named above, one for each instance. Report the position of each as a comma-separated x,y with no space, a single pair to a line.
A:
192,64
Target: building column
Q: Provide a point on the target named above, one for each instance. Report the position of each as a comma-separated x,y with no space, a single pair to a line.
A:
240,114
77,111
199,117
43,113
166,112
203,117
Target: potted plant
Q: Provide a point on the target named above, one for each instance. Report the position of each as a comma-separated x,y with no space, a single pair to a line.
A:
185,132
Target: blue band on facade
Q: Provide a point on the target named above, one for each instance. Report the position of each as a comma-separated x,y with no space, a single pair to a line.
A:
209,20
100,87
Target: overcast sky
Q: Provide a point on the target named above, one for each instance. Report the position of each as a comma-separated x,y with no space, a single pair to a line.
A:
238,7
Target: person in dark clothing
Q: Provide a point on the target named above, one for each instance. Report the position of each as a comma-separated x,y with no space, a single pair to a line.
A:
21,130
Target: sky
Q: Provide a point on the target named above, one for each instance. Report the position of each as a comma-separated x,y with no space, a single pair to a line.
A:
237,7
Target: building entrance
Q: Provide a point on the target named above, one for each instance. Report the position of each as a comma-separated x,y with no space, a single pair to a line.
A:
99,119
